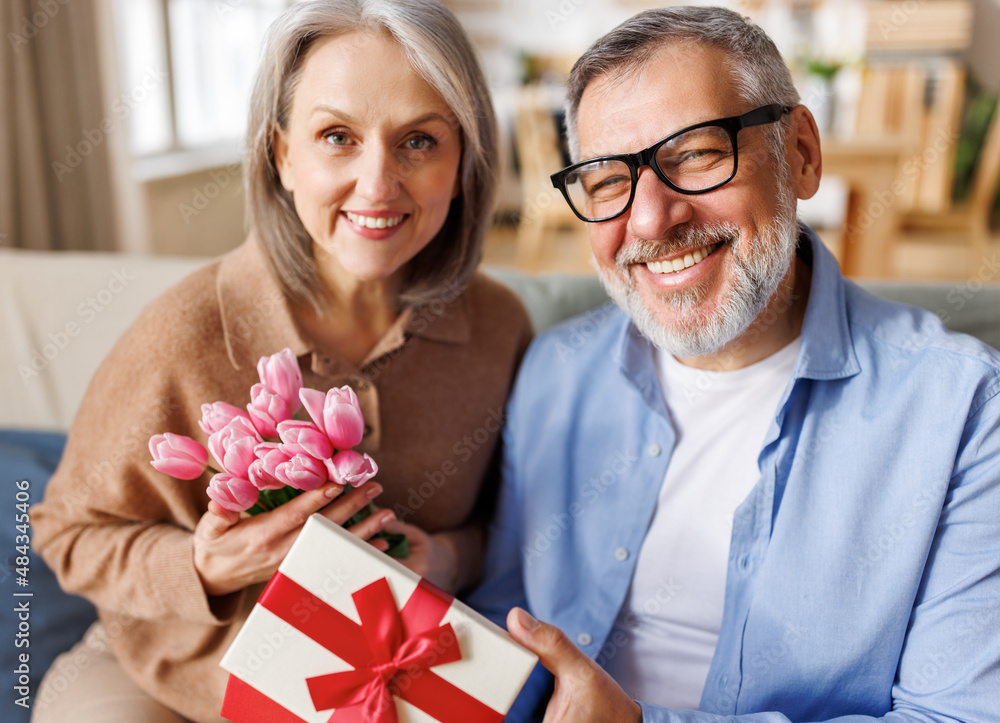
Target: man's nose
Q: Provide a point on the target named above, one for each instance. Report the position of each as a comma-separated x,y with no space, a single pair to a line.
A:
656,207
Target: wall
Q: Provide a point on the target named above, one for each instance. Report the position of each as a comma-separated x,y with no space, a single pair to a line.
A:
984,56
199,213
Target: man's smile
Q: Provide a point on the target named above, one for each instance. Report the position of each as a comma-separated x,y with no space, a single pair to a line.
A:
680,263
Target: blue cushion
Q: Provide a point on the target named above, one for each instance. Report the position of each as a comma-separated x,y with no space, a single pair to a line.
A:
53,621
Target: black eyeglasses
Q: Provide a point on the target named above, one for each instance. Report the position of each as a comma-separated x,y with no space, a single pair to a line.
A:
697,159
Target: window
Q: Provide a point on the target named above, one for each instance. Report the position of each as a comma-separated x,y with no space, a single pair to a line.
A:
186,70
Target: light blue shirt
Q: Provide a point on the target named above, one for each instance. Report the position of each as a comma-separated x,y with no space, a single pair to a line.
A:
863,576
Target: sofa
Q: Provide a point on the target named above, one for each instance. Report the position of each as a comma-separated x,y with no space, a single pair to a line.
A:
61,312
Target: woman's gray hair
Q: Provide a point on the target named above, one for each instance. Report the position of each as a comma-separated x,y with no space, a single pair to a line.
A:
758,69
440,51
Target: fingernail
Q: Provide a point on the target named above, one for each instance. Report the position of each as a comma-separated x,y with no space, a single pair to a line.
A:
372,490
333,490
525,619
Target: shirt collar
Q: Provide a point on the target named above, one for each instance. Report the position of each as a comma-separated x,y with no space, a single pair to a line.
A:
826,350
257,318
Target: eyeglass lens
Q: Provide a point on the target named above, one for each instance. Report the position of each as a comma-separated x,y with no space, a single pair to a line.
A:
693,161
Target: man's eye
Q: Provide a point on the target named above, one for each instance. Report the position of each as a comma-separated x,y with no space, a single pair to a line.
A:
608,185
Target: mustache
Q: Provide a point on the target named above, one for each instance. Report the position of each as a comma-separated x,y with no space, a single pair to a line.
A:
684,238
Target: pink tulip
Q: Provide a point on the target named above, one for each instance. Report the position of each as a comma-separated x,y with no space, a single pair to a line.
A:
262,472
337,413
216,416
302,472
267,408
232,493
233,446
351,468
281,374
177,455
305,437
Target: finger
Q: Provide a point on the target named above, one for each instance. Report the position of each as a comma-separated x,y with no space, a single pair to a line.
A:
294,513
549,643
397,526
371,524
346,506
216,521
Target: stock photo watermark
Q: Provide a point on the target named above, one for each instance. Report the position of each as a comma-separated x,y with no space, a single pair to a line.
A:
565,10
902,13
32,24
202,196
122,107
463,451
591,492
86,312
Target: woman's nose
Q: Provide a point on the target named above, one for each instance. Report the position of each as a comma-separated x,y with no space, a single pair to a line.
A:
379,174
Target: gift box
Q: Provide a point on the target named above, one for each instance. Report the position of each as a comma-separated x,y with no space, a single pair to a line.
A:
344,633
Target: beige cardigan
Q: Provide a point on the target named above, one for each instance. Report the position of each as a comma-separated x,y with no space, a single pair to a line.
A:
119,533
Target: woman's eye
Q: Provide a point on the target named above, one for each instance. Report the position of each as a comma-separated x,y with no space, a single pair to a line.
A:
420,143
337,139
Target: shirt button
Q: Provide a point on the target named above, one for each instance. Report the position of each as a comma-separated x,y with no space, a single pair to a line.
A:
621,554
584,639
654,450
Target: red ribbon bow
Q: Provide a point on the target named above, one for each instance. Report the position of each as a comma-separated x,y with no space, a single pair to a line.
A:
391,652
397,659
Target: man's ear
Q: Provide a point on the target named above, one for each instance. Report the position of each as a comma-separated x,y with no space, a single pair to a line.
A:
281,160
803,149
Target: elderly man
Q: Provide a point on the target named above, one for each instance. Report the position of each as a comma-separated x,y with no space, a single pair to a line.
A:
755,491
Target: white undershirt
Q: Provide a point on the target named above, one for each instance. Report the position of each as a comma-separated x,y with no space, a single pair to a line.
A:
670,621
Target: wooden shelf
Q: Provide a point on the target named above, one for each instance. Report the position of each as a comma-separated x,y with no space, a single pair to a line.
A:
926,26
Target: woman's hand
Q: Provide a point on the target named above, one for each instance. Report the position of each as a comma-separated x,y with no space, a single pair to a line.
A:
231,553
431,556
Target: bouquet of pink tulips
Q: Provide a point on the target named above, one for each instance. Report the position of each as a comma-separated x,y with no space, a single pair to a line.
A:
265,454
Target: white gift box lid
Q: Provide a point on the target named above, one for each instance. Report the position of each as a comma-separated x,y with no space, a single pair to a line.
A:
276,658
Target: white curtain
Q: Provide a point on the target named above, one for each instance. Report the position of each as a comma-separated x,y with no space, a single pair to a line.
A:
55,169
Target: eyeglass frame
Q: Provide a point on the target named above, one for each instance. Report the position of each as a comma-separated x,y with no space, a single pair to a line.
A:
771,113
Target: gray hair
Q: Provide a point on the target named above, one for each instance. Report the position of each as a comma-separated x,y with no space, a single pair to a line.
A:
440,51
758,70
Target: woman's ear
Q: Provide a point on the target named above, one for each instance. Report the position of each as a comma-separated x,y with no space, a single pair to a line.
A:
281,159
803,149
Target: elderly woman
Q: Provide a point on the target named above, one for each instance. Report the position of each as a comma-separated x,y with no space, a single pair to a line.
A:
370,171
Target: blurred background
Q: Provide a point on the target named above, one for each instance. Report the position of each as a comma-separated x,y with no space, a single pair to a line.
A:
122,124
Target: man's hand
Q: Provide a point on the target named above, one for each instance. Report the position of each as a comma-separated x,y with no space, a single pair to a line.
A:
583,692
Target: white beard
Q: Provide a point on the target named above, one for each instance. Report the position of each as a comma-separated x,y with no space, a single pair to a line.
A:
759,265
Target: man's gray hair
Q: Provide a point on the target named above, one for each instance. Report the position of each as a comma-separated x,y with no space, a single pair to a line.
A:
759,72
